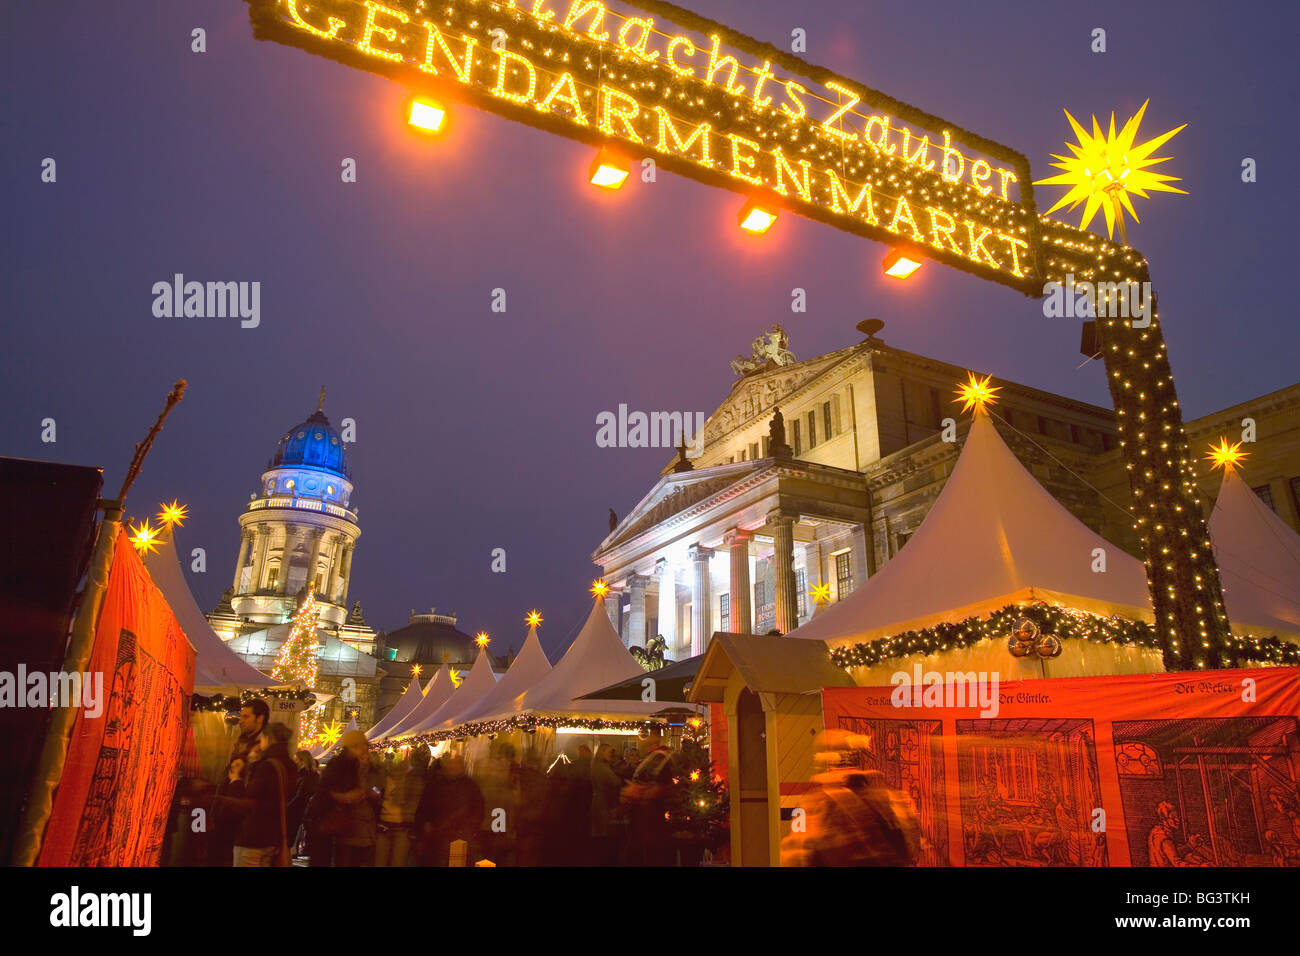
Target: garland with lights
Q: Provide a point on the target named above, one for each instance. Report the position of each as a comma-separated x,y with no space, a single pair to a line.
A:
1063,623
231,704
528,723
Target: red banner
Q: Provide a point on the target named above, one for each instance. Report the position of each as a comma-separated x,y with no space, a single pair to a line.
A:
1174,769
113,799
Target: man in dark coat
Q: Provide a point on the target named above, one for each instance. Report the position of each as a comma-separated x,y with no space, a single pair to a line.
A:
262,835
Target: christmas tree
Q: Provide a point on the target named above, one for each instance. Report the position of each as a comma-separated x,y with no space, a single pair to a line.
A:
297,661
698,809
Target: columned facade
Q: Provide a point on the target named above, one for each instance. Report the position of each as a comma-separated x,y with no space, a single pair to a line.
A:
299,531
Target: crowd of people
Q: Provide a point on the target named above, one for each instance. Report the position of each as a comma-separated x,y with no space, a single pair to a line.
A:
586,807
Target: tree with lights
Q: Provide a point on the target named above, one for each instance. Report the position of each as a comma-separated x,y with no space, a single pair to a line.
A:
698,809
296,660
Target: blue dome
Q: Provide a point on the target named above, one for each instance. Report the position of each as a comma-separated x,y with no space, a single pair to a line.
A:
313,444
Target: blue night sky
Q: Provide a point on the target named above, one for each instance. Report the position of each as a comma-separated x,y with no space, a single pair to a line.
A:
476,430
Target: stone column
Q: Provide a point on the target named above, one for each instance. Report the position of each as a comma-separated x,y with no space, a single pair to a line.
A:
614,608
347,572
315,535
787,602
245,541
860,562
636,585
336,548
701,599
667,602
258,578
742,595
286,557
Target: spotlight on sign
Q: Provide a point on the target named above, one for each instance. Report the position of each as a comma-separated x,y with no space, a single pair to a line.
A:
426,115
755,218
609,171
901,263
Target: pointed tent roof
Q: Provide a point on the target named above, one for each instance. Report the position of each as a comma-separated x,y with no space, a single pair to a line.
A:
993,537
405,704
472,689
1259,562
436,693
216,667
595,659
527,669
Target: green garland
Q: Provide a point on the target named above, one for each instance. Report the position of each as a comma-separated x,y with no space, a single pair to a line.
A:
1066,624
528,723
232,704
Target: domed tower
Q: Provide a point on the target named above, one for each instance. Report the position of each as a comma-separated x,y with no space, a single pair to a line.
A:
300,529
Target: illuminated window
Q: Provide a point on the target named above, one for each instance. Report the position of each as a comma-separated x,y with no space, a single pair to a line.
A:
1265,494
826,419
800,584
272,578
812,430
843,574
724,611
289,483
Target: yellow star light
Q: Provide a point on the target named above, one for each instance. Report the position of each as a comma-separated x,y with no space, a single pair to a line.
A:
482,639
1107,168
415,670
599,588
144,537
977,393
1226,456
331,733
173,514
455,677
821,593
533,618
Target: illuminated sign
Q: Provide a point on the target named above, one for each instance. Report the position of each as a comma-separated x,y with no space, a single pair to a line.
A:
702,101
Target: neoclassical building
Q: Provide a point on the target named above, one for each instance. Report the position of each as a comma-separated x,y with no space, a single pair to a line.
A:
300,529
817,472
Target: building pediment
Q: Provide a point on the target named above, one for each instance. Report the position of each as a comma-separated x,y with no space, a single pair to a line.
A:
673,494
756,395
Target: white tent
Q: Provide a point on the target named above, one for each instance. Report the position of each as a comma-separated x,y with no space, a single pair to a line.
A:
595,659
217,669
993,537
436,693
1259,562
526,670
410,698
476,685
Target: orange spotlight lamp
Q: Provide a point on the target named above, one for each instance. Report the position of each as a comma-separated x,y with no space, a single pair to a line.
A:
901,262
609,170
426,115
756,218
